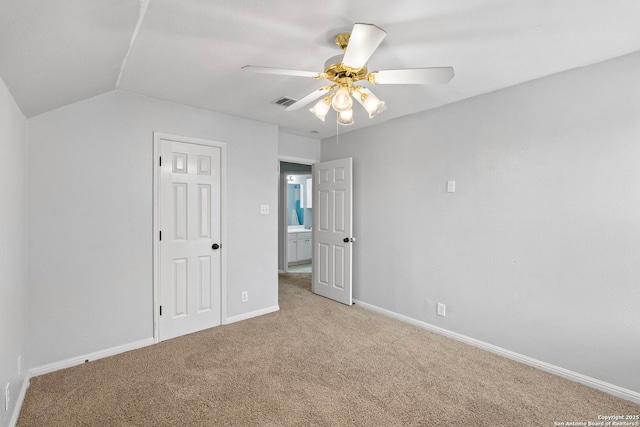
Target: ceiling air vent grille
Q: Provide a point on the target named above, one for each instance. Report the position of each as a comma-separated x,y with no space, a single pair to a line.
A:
285,101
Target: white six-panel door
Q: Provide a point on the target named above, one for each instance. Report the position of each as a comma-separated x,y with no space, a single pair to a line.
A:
332,229
189,247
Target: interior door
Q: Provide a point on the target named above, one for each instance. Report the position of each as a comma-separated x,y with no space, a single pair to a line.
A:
190,247
332,229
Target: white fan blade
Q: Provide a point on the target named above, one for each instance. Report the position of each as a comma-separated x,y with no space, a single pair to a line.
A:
413,76
364,40
280,71
309,98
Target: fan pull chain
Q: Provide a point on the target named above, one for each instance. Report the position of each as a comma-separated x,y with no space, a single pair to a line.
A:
337,129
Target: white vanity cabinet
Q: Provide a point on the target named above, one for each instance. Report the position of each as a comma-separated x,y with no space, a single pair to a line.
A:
303,246
299,246
292,248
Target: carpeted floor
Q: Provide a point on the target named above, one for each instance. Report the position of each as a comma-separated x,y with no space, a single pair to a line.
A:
313,363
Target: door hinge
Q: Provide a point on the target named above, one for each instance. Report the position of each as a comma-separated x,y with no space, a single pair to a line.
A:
160,160
160,310
160,237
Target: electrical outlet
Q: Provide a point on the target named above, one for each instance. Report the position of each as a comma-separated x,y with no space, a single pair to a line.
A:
442,309
245,296
264,209
7,397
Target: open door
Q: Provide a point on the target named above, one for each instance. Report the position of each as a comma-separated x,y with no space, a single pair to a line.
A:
332,229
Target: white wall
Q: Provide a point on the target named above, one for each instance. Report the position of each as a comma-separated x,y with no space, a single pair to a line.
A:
13,249
90,218
298,147
537,251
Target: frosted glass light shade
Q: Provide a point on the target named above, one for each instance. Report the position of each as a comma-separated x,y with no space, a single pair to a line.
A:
342,100
345,117
372,104
321,109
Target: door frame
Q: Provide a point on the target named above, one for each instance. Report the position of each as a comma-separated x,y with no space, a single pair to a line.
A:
157,136
282,213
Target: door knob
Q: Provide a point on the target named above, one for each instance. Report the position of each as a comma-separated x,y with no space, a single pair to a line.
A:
215,246
349,239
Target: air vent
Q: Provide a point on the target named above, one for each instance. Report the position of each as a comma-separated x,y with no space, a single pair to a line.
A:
285,101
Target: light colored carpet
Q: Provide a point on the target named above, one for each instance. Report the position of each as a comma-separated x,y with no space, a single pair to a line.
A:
316,363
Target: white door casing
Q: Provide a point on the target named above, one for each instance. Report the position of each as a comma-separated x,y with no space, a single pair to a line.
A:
189,245
332,230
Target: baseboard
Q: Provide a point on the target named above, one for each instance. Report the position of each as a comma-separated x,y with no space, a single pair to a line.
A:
251,314
18,407
74,361
67,363
547,367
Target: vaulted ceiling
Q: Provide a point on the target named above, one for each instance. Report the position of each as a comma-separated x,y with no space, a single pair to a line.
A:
57,52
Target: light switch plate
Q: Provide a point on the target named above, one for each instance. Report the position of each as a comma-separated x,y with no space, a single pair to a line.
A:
264,209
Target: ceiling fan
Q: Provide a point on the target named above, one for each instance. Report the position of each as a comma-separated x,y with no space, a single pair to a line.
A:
343,71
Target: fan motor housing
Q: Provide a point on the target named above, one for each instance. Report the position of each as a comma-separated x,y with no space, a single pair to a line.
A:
335,70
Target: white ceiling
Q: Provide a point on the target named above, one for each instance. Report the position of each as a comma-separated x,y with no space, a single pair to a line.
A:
56,52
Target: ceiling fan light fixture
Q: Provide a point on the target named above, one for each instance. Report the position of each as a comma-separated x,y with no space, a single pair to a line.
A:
345,117
321,108
350,67
342,100
371,103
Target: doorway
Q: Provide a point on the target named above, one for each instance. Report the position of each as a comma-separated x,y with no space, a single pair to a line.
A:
332,233
295,218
